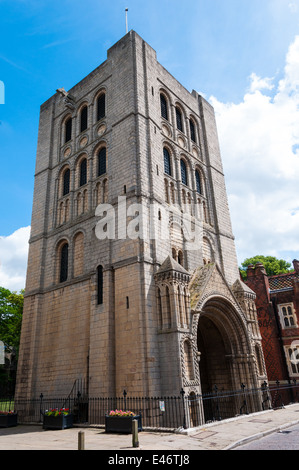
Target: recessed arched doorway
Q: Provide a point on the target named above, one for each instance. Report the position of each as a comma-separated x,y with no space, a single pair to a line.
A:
225,358
214,356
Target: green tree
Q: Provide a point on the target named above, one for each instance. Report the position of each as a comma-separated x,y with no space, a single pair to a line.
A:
271,264
11,310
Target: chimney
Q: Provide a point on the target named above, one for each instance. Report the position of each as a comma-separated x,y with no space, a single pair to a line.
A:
257,280
296,265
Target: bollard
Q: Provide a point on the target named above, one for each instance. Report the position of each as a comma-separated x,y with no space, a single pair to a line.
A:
81,439
135,441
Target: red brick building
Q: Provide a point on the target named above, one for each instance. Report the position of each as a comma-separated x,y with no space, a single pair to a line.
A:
277,304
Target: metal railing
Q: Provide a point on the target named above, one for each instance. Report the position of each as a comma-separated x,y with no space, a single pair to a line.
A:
181,411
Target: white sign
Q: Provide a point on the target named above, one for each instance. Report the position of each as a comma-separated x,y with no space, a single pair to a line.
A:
162,406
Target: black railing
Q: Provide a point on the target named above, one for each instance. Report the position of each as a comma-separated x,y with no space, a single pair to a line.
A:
181,411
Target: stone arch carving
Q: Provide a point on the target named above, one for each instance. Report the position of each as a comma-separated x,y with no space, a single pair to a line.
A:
224,343
207,250
188,360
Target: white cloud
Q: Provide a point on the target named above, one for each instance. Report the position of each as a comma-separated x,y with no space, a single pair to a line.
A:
13,259
293,6
259,140
258,83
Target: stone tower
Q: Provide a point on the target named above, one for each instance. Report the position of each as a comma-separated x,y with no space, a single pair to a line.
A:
132,279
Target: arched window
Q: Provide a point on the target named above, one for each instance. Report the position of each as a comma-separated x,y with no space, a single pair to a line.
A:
83,172
100,285
66,182
102,161
68,129
64,259
167,164
192,131
198,182
184,173
101,106
164,111
83,119
179,120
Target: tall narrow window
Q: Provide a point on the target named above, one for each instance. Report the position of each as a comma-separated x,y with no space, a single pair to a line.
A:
68,129
163,102
102,161
179,121
198,182
66,182
167,165
64,255
83,172
192,131
83,119
184,173
100,284
168,308
101,106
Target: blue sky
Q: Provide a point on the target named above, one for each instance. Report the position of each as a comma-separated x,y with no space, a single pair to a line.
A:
242,55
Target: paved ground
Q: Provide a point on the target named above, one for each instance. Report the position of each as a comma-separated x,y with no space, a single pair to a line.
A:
287,439
224,435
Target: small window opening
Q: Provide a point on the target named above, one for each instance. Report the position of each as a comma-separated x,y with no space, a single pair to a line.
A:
68,130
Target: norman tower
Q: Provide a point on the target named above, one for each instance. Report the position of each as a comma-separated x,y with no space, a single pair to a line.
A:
132,279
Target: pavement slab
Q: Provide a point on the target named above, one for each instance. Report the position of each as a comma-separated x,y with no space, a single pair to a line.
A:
222,435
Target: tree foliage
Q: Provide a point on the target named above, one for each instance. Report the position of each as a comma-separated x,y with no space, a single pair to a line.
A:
11,310
272,265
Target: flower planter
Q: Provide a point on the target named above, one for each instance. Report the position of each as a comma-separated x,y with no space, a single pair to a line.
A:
121,424
58,422
6,421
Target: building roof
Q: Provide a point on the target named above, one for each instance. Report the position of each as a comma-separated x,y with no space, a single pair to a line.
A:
171,265
282,281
